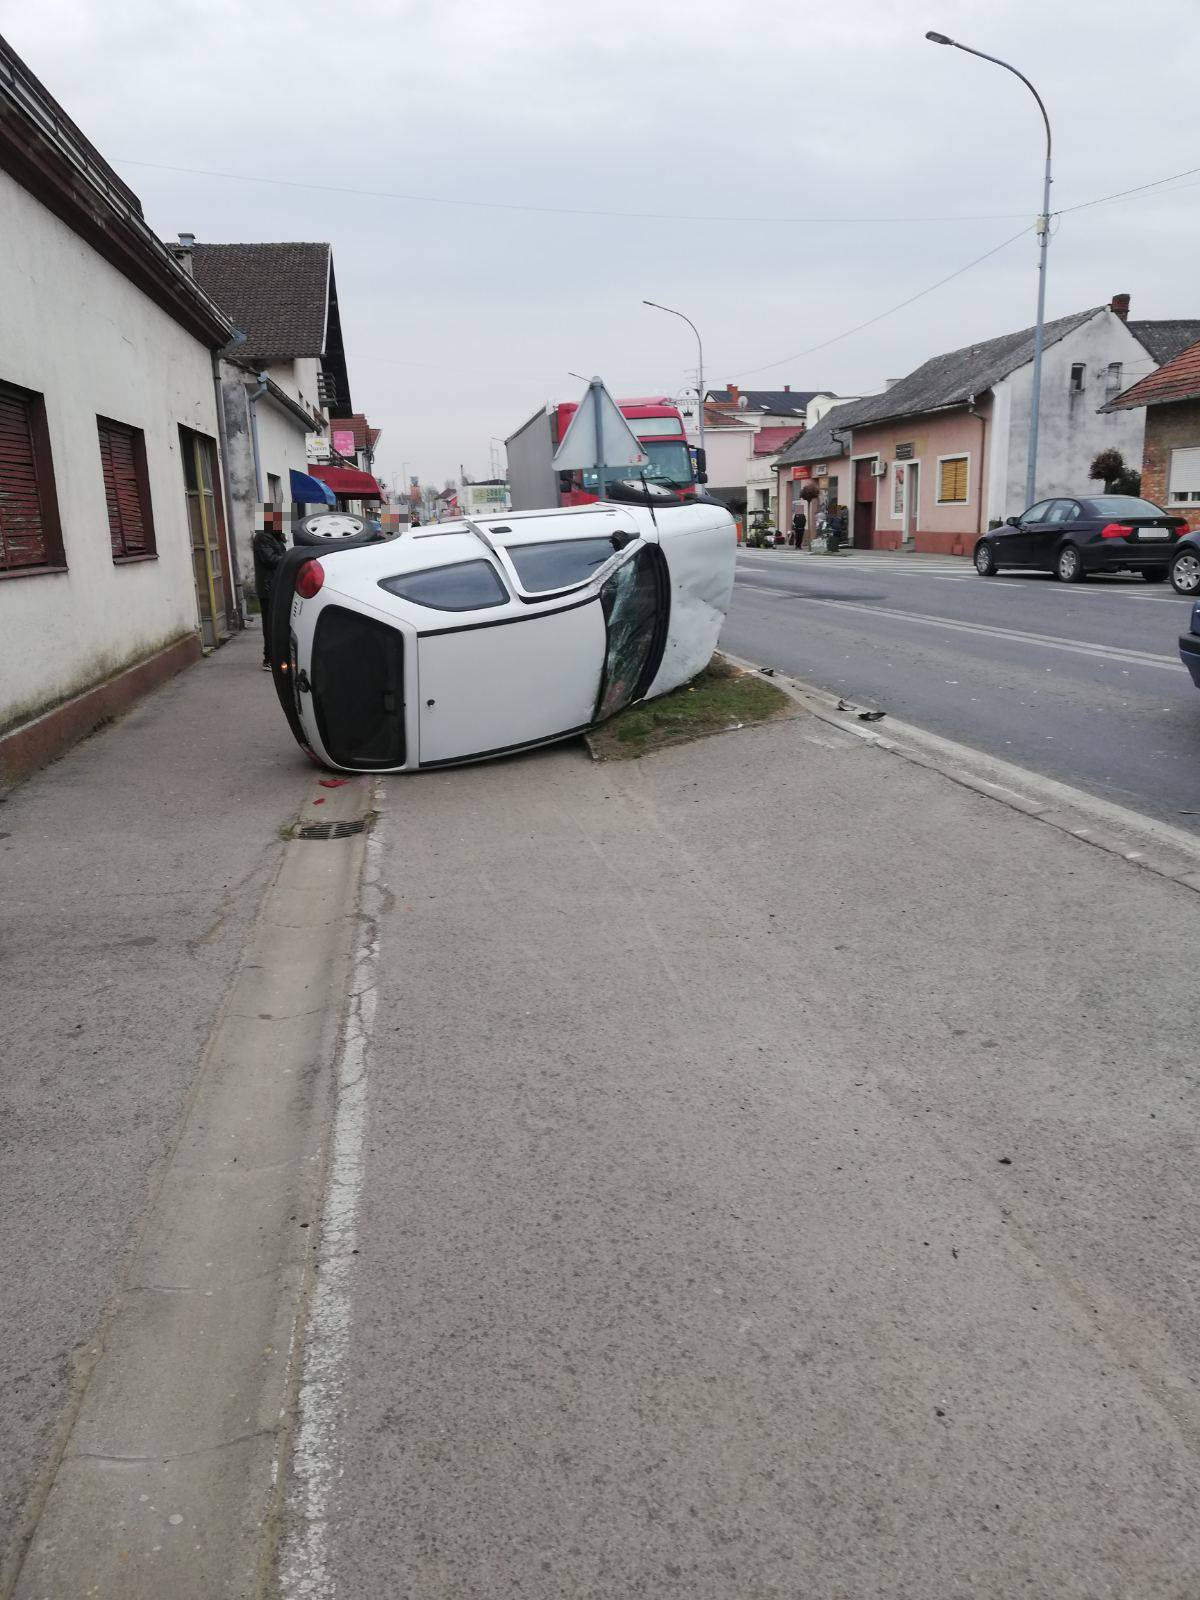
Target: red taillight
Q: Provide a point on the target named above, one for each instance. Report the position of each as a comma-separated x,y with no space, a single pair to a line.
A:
1110,530
309,579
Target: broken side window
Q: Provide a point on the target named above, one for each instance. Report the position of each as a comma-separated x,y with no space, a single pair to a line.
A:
560,564
465,586
635,601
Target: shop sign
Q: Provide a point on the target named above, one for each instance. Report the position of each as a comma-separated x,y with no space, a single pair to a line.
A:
904,452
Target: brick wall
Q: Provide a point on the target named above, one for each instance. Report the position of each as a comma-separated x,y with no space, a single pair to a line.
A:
1173,426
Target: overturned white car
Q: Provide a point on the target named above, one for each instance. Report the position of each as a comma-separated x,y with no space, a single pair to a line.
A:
475,638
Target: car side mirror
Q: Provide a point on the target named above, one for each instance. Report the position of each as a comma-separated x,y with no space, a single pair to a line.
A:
1012,522
701,466
565,482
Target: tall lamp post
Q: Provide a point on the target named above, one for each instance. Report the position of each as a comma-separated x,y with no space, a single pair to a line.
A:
699,346
1043,228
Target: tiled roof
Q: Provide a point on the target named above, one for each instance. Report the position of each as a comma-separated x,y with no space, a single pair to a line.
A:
1166,340
950,379
818,444
1178,380
373,437
775,402
276,294
770,441
713,418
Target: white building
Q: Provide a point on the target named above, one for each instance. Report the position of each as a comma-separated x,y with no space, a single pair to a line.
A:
283,373
114,562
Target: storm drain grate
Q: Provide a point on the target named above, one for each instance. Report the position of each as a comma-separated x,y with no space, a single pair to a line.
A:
329,830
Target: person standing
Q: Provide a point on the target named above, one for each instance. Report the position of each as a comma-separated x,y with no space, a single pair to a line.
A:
799,524
269,551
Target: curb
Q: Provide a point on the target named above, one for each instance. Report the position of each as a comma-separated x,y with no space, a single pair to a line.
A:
170,1479
1141,841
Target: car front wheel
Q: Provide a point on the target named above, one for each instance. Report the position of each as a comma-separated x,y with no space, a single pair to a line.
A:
985,560
1185,572
1068,567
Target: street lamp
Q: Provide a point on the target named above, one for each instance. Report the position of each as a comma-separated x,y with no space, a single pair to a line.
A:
700,347
1043,228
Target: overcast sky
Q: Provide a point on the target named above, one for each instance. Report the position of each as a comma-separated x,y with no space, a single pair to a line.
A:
837,130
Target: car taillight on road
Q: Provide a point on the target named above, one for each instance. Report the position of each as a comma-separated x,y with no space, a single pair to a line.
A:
1110,530
309,579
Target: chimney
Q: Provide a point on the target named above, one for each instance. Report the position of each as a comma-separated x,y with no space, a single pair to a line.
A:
787,388
1120,306
889,382
733,392
183,252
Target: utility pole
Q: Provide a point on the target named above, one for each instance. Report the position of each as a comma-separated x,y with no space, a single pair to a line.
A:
1043,229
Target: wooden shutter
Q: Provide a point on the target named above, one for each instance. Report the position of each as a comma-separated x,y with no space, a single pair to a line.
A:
952,484
23,532
128,526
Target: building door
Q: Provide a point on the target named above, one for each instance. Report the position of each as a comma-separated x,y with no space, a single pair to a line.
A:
863,526
912,500
206,525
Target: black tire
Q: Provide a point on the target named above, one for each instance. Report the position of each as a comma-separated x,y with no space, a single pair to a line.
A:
1185,572
985,559
1068,565
1154,574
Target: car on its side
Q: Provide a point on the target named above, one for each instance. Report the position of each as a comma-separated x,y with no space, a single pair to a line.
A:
1185,564
1073,537
477,637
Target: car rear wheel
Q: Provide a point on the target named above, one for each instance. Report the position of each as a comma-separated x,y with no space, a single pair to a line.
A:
1185,572
1068,566
1154,574
985,560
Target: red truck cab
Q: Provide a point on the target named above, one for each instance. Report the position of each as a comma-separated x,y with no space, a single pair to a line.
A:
658,426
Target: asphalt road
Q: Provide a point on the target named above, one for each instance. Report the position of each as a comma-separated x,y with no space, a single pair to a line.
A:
1082,683
724,1212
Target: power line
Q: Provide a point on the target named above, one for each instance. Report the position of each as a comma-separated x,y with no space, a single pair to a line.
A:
870,322
1122,194
554,211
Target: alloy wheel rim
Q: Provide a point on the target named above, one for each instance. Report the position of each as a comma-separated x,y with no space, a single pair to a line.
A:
1187,573
1068,563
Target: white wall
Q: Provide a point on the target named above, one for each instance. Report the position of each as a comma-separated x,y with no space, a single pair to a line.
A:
728,451
1070,433
74,329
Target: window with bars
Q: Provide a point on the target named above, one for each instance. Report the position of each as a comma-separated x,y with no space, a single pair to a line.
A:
126,489
30,535
952,481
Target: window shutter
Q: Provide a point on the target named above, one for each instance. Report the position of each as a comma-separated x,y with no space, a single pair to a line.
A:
952,479
23,541
122,491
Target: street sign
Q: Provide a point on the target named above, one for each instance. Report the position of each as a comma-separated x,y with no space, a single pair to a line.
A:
598,436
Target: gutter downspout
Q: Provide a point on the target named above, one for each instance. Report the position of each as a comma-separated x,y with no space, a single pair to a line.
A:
239,593
251,400
981,418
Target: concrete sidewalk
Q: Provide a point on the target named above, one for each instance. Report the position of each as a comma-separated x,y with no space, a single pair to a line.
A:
777,1179
131,872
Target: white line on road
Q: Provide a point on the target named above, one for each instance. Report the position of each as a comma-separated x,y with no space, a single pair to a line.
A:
1137,658
306,1571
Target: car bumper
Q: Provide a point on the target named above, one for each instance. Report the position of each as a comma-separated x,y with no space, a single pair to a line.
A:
1103,557
1189,654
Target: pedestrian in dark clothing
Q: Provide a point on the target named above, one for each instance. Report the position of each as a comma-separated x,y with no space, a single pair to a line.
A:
269,551
799,524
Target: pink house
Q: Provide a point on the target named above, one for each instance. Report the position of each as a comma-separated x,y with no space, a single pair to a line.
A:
940,455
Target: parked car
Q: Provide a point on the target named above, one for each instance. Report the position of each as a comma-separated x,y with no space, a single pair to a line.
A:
1185,564
1075,537
1189,645
478,637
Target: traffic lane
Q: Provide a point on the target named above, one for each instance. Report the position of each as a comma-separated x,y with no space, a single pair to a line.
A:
1114,610
1124,730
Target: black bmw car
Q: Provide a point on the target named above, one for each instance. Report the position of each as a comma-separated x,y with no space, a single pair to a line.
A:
1074,537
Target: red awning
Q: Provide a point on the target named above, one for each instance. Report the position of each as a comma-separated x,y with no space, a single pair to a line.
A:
348,482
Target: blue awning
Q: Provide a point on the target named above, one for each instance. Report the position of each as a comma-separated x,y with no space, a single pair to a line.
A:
308,491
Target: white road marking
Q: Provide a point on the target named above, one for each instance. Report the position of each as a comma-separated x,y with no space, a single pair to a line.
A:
1137,658
306,1570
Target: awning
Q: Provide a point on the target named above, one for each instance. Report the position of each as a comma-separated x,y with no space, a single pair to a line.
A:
310,491
349,483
